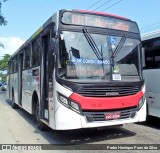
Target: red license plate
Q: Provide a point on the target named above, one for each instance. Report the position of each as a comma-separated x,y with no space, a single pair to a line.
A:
111,116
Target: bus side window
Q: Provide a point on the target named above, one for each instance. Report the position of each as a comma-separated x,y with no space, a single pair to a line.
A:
23,57
27,57
12,66
35,53
152,59
16,64
9,67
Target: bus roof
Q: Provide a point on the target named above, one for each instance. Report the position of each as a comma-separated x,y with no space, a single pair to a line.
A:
101,13
151,35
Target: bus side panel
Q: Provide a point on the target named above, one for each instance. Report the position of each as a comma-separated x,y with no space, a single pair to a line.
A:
29,85
35,84
26,90
152,82
153,100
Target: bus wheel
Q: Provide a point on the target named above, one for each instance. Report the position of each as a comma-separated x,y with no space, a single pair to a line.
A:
41,126
13,104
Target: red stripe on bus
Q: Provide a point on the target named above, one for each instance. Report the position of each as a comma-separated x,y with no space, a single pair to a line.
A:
96,103
101,13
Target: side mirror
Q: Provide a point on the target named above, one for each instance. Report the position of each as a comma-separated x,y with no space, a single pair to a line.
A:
52,45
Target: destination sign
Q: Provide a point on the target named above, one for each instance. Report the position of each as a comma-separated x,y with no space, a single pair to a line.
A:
99,21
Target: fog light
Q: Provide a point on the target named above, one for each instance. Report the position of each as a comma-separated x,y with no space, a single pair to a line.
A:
133,115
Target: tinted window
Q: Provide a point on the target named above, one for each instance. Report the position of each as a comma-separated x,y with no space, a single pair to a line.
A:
27,57
9,67
36,53
14,65
152,58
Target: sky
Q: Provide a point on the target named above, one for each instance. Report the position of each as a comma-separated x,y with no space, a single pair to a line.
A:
26,16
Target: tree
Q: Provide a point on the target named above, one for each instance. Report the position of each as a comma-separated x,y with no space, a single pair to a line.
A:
3,77
4,66
2,18
4,62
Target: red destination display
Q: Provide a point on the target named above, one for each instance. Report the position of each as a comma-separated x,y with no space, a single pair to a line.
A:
96,20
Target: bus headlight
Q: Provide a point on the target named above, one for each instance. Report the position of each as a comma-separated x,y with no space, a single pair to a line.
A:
75,107
141,102
69,103
63,99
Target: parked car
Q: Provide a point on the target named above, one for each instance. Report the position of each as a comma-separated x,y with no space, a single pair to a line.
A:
1,83
4,86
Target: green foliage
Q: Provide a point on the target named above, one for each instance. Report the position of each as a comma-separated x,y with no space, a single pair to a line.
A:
4,77
4,62
4,66
2,18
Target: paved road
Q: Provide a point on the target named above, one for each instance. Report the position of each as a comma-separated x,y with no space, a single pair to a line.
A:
18,127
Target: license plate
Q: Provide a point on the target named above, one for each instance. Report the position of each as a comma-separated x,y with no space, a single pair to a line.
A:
116,77
111,116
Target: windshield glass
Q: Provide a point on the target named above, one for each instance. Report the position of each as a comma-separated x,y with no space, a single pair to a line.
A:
86,57
126,60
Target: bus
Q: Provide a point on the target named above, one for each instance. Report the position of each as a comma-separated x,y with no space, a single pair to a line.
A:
81,69
151,71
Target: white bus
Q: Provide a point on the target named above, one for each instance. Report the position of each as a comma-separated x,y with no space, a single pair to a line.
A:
81,69
151,45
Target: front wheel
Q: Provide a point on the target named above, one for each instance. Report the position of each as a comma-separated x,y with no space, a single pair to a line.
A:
41,126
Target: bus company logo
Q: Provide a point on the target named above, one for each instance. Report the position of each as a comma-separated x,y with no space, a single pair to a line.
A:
112,93
6,147
20,147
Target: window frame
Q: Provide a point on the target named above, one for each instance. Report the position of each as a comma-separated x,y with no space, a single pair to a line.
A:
36,43
24,57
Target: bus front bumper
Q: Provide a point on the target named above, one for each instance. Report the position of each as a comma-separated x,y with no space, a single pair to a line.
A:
66,119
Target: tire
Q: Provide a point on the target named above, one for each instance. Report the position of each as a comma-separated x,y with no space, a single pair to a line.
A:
40,125
13,104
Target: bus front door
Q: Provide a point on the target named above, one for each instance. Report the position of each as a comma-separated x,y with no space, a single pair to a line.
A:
20,67
47,75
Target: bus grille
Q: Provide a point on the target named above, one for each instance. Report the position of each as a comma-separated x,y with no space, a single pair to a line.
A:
100,115
108,91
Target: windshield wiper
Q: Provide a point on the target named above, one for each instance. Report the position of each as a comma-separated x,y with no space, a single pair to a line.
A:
121,43
93,45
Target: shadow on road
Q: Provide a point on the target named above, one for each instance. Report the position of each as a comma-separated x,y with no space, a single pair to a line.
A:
80,136
153,122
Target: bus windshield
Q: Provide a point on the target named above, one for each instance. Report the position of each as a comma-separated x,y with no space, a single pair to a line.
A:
87,57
